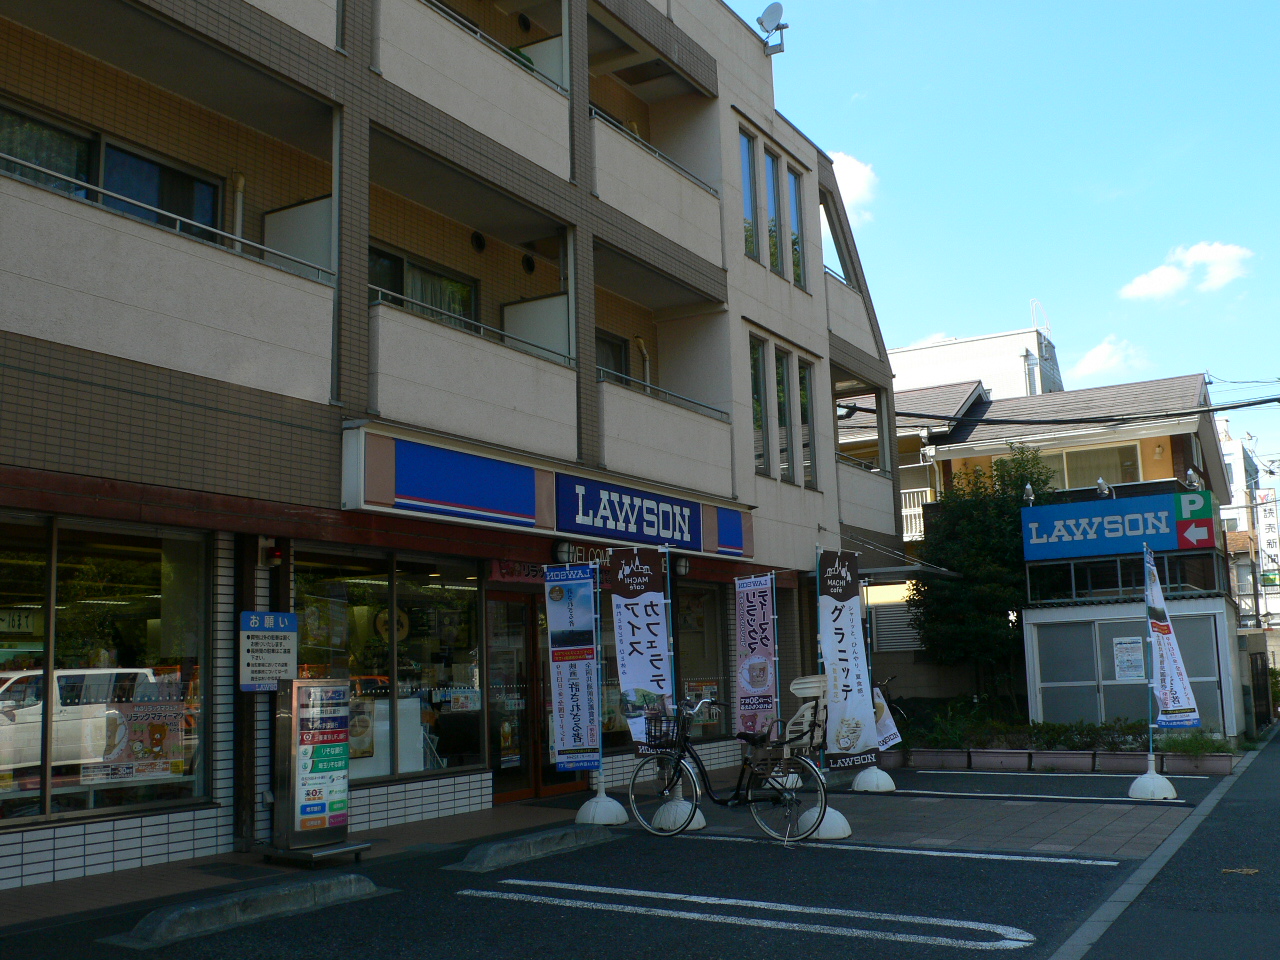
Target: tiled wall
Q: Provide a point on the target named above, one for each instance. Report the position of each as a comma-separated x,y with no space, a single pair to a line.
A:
394,803
615,99
629,320
716,755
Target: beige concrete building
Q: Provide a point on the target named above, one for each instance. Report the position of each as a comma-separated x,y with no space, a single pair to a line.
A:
365,311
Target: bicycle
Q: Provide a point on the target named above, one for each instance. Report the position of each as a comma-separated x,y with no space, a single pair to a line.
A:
786,794
896,712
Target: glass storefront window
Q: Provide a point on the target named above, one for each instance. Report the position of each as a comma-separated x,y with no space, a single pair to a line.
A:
129,648
701,655
24,566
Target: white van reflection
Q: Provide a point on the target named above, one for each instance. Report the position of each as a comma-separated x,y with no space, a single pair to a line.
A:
88,725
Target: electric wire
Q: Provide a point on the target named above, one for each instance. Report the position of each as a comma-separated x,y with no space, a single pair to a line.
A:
852,409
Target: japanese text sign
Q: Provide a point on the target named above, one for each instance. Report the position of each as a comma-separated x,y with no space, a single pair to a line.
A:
640,629
268,649
851,713
757,673
575,678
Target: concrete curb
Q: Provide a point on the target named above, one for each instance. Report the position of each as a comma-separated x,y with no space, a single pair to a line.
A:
180,921
531,846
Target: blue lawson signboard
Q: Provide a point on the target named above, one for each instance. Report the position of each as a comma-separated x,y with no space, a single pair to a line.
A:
597,509
1093,528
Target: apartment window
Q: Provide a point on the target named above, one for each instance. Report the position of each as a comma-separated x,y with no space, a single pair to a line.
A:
427,291
750,222
806,423
161,186
797,229
786,463
775,227
1082,468
759,416
613,357
45,146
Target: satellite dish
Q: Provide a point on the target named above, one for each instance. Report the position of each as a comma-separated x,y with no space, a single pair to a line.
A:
771,17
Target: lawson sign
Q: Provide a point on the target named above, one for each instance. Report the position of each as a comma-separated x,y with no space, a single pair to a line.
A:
607,510
1171,521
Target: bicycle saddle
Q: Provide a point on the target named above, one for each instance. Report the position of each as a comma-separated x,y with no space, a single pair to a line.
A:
754,739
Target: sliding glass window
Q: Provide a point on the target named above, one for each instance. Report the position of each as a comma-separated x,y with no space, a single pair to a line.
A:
806,423
797,228
750,220
759,412
44,146
775,214
786,464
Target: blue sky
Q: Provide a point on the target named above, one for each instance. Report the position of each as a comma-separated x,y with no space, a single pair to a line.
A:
1116,161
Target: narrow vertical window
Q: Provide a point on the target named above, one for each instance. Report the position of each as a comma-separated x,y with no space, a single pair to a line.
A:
797,230
750,226
806,423
786,462
775,226
759,419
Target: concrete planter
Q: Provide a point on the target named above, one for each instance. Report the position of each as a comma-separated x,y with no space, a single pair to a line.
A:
1074,761
891,759
1213,764
1000,760
1125,762
933,759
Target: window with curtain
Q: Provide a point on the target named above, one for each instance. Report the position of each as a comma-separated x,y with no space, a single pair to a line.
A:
774,212
759,414
797,228
750,220
427,292
1112,464
786,447
45,146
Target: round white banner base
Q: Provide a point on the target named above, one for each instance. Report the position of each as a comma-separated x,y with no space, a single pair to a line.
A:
602,809
873,780
1152,786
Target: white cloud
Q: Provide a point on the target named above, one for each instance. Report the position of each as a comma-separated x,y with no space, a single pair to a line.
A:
1111,356
1222,262
858,183
1155,284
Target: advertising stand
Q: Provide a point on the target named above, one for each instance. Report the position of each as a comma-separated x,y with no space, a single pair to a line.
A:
312,757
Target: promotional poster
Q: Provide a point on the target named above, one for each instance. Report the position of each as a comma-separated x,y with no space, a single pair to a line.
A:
852,738
575,693
1172,688
640,631
757,654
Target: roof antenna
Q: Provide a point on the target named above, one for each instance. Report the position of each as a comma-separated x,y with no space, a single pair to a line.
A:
771,22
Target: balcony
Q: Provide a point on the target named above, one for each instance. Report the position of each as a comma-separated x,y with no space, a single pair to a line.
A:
452,374
866,496
639,180
913,512
439,56
658,435
847,314
103,280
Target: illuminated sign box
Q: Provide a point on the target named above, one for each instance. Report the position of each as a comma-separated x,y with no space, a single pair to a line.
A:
1104,527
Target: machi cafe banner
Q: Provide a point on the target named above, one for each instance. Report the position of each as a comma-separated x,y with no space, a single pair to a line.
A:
757,654
575,693
1172,689
886,730
851,714
640,632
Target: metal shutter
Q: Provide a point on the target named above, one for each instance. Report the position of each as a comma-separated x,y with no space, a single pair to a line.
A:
891,628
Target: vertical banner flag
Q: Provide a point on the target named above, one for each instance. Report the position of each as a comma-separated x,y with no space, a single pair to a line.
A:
886,730
757,654
575,694
640,632
851,713
1173,691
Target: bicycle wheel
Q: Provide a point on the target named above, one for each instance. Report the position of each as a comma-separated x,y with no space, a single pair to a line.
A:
788,800
664,794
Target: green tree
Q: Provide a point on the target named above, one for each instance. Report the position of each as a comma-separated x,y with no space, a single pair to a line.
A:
976,531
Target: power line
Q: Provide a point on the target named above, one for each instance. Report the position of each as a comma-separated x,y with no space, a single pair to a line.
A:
852,409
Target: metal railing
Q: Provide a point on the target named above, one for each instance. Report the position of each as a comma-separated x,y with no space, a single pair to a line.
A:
913,512
832,273
192,229
489,41
870,465
604,374
379,296
646,145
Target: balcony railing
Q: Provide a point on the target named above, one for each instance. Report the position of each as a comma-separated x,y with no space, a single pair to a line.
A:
489,41
377,296
646,145
871,465
604,374
88,193
913,512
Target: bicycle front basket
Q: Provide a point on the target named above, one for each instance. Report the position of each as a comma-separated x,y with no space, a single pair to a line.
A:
661,731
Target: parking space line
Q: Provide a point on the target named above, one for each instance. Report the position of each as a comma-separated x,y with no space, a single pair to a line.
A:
1044,773
965,795
915,852
1010,938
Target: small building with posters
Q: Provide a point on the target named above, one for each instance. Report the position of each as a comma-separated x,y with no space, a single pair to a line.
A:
1085,622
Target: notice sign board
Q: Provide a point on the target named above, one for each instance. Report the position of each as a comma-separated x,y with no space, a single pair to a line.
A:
575,692
268,649
1129,657
312,763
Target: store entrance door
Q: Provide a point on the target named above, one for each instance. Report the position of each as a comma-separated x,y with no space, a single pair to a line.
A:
520,701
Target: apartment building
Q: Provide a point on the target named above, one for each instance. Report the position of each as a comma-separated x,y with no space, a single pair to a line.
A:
1017,363
365,311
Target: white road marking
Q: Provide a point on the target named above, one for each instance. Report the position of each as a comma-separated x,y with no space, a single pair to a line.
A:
913,851
1035,796
1044,773
1011,938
